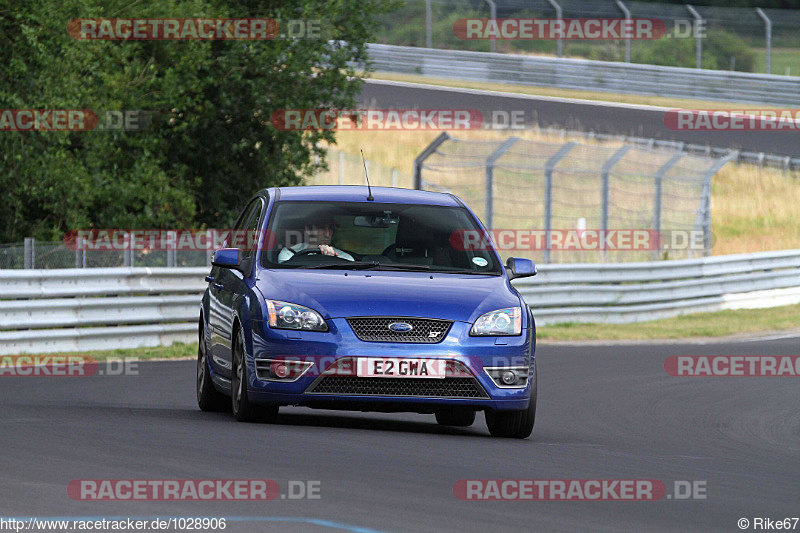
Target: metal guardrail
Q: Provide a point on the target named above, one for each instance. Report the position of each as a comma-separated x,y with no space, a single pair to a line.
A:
46,311
634,292
761,159
584,74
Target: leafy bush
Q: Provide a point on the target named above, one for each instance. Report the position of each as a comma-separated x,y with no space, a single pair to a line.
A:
718,48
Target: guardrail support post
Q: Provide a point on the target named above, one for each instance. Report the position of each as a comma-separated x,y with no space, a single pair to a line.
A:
29,252
548,194
768,28
659,178
698,20
341,167
627,13
559,16
420,159
490,161
394,177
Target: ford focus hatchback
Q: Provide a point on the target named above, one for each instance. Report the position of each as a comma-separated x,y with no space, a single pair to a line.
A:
384,300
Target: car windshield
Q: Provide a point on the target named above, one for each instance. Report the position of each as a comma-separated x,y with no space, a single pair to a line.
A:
377,236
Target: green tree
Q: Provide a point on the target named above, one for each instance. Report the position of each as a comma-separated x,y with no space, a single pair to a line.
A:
210,145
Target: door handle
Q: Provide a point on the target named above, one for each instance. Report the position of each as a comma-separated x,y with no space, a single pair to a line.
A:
209,279
217,286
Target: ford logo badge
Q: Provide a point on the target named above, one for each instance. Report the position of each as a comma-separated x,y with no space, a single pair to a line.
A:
400,327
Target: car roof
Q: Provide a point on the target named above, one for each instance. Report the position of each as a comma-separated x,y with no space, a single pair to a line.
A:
358,193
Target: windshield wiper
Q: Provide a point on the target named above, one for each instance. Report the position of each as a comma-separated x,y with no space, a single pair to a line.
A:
369,265
349,265
401,266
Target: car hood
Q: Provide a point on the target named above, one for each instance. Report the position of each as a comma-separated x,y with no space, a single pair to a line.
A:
459,297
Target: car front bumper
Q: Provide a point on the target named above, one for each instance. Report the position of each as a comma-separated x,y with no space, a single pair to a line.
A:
324,349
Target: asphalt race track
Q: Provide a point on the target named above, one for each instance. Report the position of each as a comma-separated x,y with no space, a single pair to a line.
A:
605,412
581,115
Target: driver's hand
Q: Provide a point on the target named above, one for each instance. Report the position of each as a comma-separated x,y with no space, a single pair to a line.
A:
326,249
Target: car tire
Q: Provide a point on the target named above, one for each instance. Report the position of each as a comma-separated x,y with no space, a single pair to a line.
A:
514,424
455,417
208,397
243,409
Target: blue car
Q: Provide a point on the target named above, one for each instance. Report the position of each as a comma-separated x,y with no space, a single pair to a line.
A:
371,300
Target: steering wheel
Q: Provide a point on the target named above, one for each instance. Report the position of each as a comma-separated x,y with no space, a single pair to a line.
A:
308,251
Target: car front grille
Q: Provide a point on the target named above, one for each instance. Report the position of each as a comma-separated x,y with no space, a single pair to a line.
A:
423,330
416,387
340,379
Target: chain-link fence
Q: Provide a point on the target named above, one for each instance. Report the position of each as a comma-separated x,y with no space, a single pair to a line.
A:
58,254
535,196
523,186
737,38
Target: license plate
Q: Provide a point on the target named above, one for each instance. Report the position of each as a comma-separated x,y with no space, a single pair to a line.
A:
391,367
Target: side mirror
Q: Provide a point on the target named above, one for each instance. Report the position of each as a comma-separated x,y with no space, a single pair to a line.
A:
518,267
227,258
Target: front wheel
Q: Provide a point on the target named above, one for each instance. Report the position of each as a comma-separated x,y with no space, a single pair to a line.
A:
514,424
208,398
243,409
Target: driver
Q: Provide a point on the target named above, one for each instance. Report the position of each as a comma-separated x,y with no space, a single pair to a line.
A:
317,234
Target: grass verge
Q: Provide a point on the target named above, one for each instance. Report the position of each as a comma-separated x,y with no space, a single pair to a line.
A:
719,324
178,350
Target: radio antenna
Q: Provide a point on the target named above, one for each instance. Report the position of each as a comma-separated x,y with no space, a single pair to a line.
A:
366,175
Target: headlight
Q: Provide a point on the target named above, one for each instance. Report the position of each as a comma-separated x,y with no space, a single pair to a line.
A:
284,315
500,322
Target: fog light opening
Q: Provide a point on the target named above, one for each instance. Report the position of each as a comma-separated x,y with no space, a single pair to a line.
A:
509,377
279,369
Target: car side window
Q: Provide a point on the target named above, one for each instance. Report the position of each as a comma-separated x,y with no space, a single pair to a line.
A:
245,236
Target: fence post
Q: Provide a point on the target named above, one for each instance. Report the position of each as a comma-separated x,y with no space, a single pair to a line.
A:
604,173
627,13
29,252
420,159
658,179
80,253
699,42
559,16
548,194
704,214
341,167
428,24
127,252
172,251
768,29
493,15
211,246
489,188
